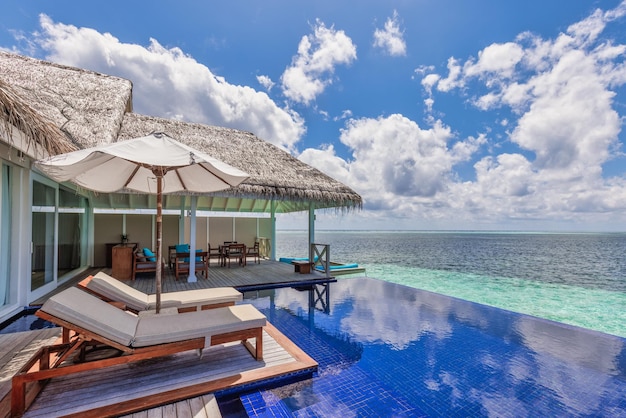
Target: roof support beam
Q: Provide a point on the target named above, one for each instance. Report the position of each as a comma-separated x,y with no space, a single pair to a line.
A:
311,224
273,229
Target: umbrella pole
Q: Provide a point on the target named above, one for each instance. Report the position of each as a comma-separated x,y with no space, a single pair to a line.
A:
159,233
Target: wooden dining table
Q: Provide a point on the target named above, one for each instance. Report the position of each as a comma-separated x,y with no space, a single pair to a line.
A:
229,248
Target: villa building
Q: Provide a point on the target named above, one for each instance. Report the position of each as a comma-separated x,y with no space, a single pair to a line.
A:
50,232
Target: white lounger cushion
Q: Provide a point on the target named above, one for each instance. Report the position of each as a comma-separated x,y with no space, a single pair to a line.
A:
159,329
89,312
114,289
197,297
99,317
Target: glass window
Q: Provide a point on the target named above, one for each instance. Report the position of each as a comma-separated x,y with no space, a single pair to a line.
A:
5,235
72,231
43,235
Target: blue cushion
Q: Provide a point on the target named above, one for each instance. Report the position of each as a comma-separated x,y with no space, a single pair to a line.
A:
182,248
339,267
149,254
199,258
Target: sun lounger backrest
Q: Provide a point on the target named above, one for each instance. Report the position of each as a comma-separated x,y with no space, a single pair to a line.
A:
114,289
160,329
199,297
86,311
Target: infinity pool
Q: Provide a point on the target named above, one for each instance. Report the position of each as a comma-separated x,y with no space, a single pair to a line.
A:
389,350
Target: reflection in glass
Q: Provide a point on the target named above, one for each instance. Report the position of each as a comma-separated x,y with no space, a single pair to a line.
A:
71,230
43,235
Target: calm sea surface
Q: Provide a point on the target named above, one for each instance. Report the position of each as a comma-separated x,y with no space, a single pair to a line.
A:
579,279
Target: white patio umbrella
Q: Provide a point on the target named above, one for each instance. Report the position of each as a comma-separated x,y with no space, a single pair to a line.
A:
153,164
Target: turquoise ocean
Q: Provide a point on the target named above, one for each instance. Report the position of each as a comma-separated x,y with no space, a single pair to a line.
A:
573,278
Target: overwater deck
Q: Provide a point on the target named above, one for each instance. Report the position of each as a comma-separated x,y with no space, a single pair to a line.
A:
266,275
138,386
180,380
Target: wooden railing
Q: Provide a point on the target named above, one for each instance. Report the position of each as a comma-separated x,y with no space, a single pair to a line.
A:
265,247
319,255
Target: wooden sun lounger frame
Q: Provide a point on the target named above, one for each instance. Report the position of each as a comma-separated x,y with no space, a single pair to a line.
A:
84,285
46,362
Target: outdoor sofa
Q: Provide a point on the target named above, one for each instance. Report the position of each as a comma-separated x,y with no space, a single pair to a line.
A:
144,261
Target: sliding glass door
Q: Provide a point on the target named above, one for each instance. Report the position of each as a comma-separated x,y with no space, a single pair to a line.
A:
43,236
72,232
59,235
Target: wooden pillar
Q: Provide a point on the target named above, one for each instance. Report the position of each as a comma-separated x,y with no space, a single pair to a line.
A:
192,241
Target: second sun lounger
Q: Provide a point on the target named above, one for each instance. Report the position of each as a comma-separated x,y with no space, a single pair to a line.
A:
112,290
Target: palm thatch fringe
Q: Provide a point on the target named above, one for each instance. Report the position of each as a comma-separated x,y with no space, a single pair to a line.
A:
87,106
40,133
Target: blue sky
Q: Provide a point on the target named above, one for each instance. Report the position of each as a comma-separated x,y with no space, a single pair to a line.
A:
441,114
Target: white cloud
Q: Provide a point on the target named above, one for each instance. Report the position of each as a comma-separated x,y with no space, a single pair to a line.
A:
553,99
396,162
391,38
429,81
346,114
311,71
496,58
570,124
453,80
567,125
328,162
266,82
169,83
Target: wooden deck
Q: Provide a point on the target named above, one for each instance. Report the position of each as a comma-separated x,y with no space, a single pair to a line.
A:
180,381
204,406
15,350
268,274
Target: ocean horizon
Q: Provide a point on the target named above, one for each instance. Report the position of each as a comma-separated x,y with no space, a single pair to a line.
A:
576,278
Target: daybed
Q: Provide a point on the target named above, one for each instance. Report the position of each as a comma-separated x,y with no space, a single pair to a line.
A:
110,289
138,337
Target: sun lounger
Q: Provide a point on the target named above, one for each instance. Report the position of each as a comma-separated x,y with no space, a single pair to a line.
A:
112,290
138,337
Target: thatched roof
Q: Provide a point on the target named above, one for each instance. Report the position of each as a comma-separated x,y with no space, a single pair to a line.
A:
87,106
62,106
42,136
274,174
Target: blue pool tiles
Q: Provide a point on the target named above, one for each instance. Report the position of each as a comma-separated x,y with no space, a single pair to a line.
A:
387,350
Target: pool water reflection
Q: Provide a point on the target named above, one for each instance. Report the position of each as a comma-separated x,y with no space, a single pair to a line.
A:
389,350
24,321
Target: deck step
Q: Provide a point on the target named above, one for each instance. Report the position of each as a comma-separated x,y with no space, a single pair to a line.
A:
204,406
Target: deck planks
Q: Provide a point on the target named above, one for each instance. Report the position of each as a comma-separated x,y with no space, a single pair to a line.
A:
125,388
204,406
281,356
15,350
267,274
